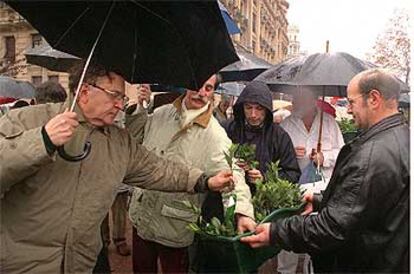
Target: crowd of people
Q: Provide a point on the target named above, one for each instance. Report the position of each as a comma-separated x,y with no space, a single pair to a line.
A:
55,213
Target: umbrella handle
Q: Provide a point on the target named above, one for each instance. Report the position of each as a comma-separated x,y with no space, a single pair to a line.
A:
86,150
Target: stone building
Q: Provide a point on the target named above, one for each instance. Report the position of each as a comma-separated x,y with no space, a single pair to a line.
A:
263,26
16,36
294,44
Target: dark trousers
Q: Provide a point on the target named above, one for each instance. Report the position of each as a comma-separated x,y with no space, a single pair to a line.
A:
102,263
146,253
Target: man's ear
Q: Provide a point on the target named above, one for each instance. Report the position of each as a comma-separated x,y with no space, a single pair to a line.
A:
375,98
83,94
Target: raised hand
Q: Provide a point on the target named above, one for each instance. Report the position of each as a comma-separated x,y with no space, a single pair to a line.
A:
222,181
300,151
317,158
60,128
254,174
144,94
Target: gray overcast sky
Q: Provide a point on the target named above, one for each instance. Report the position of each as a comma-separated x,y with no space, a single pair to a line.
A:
350,25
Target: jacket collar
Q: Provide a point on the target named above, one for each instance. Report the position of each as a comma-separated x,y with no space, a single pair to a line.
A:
82,120
203,119
384,124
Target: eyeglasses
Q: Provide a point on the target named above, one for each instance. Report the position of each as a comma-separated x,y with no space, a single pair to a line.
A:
116,95
351,101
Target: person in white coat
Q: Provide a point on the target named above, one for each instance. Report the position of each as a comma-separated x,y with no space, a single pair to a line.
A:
303,128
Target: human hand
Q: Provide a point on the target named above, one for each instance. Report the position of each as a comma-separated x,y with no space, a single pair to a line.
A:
60,128
245,223
222,181
317,158
144,94
254,174
243,165
300,151
261,237
308,199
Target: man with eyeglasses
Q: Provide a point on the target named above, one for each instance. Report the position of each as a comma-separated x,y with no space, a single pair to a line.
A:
362,223
52,209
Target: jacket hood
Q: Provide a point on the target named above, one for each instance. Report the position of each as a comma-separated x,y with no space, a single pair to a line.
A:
255,92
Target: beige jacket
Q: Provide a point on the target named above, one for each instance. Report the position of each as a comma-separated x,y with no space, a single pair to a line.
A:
51,210
201,144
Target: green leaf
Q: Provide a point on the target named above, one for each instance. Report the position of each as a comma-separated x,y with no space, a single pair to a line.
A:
347,125
193,227
215,222
275,193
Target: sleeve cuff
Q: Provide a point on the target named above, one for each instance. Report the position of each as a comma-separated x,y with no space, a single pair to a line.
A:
50,147
202,184
317,199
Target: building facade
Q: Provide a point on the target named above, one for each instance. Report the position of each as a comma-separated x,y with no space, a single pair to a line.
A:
16,36
294,44
263,26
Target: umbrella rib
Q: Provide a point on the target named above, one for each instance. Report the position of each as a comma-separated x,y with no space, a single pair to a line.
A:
90,56
71,26
135,49
178,33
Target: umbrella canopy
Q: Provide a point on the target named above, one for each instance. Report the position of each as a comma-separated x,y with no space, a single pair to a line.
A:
47,57
12,88
52,59
231,26
323,73
181,43
231,88
404,101
246,69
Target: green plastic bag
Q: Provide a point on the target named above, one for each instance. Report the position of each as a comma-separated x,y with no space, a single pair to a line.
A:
218,254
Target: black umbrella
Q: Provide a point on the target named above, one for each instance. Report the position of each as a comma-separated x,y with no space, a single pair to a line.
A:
325,74
12,88
231,88
173,42
47,57
404,101
180,43
246,69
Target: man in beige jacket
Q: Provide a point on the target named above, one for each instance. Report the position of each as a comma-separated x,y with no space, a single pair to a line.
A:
51,209
187,132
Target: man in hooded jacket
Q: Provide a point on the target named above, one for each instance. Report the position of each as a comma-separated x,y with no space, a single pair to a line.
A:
253,124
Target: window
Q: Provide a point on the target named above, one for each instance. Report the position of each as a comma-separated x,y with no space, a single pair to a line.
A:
36,40
10,48
54,78
254,22
36,80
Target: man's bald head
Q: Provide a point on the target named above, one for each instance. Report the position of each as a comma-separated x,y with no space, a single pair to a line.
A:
377,79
